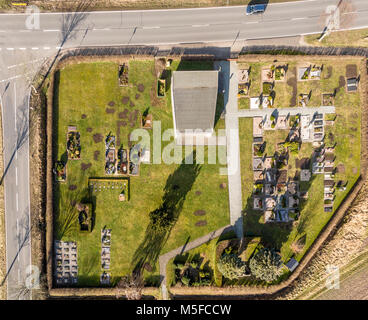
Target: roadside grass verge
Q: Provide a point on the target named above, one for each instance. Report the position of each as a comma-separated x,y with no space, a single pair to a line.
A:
350,38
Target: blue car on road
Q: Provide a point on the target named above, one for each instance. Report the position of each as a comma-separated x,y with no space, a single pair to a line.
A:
256,8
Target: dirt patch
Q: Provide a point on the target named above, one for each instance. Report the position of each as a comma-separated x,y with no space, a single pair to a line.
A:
329,72
198,193
131,104
96,154
85,166
351,71
141,87
125,100
223,185
111,103
72,187
341,168
199,213
354,170
303,163
89,129
109,110
133,116
292,82
148,267
124,114
97,137
137,96
73,202
160,65
341,83
201,223
84,116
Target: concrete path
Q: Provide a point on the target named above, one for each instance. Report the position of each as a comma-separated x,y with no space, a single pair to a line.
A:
165,258
248,113
229,83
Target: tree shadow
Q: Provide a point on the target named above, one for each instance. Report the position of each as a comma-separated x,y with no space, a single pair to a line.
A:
178,184
22,135
69,23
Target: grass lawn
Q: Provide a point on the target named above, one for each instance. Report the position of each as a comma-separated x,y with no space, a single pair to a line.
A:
350,38
345,132
83,95
243,103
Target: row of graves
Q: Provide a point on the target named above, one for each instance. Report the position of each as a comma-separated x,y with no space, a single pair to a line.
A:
73,148
274,194
323,163
275,73
105,256
310,71
66,263
124,161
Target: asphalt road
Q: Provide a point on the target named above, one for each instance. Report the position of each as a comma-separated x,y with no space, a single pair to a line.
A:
22,50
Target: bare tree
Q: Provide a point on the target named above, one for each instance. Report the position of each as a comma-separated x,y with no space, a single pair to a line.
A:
130,286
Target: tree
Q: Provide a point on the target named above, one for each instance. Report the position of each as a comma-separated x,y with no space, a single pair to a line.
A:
231,266
266,265
130,286
162,218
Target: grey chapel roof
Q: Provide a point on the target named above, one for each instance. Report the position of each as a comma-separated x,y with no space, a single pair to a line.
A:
195,95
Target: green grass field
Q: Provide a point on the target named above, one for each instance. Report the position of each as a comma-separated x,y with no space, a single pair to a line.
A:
82,94
350,38
345,132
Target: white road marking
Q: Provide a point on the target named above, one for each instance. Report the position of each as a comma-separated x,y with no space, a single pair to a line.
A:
22,48
58,48
251,22
46,48
9,48
51,30
155,27
34,48
24,63
301,18
17,201
16,176
15,107
200,25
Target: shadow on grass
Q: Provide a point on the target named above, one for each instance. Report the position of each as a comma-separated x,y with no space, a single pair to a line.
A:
177,187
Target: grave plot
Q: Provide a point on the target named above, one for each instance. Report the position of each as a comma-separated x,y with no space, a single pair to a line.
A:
105,249
73,143
66,263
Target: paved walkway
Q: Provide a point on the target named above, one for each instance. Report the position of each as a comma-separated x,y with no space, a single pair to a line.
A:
165,258
250,113
229,78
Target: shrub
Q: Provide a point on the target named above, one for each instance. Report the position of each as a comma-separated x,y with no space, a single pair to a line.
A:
272,117
267,88
266,265
194,264
185,280
179,266
231,266
162,219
